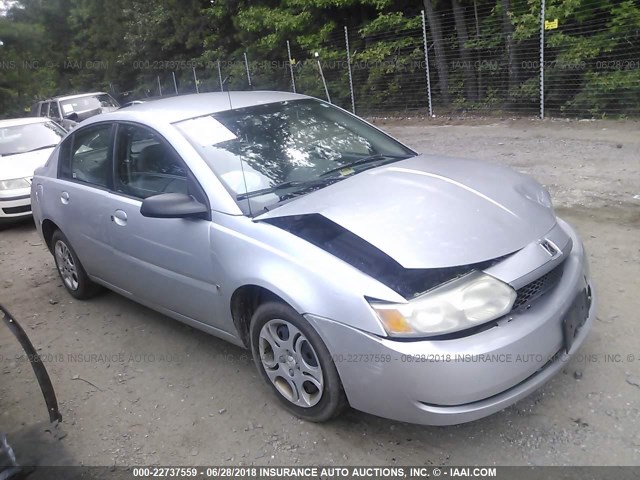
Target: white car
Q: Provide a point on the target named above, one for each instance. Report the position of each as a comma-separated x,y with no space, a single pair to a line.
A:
25,144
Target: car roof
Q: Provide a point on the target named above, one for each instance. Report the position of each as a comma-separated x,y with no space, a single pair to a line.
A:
71,97
14,122
183,107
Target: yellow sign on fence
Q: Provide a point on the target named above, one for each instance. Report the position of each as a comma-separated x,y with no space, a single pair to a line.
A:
551,24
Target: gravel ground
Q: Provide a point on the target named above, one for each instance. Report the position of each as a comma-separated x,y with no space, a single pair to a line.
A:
158,392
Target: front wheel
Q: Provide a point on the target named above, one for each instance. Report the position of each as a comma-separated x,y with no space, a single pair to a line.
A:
295,363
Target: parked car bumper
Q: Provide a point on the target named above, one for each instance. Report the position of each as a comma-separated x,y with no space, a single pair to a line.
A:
446,382
15,204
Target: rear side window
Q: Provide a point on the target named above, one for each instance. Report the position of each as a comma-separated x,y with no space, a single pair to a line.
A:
86,156
44,109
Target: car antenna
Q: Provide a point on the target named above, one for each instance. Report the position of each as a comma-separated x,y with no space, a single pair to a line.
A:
246,188
244,179
229,96
228,91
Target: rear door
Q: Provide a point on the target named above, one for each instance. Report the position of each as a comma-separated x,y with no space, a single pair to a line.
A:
84,179
164,262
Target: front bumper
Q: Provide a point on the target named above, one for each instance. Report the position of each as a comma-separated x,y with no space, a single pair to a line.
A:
15,203
446,382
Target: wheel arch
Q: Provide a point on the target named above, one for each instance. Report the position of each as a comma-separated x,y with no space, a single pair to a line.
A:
48,228
244,302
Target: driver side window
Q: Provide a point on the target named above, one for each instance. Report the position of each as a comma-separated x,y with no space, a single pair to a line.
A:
146,165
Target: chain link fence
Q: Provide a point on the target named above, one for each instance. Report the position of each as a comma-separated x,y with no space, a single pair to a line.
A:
467,59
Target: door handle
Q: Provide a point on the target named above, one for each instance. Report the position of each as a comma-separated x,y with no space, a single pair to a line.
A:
119,217
64,198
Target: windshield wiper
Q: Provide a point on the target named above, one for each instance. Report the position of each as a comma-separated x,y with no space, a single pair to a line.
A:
40,148
325,179
377,158
298,185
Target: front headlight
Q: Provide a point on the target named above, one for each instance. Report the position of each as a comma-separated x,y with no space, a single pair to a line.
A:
465,302
14,184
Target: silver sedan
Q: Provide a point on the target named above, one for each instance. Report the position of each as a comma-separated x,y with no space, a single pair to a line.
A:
419,288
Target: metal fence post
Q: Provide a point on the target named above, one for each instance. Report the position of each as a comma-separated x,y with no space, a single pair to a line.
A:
293,80
175,85
246,66
542,15
346,43
195,80
426,60
220,76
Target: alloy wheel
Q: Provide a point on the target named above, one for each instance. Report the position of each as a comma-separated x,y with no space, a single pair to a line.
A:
66,265
291,363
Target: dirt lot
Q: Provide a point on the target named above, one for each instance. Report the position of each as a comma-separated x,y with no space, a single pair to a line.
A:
164,393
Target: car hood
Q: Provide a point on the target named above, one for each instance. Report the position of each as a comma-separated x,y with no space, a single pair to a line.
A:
22,165
432,212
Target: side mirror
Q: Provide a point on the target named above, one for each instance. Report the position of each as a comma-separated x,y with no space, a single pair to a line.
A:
73,116
172,205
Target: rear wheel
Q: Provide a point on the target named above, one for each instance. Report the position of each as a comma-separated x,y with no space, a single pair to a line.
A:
295,363
74,277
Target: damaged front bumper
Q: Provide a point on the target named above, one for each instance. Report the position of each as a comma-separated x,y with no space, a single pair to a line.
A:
451,381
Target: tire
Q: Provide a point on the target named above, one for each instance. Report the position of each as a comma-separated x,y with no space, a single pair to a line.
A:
72,273
294,361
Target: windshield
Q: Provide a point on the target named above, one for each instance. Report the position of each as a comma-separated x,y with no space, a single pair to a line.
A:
27,138
265,154
89,102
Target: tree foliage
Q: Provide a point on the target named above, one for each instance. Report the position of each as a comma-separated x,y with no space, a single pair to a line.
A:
130,46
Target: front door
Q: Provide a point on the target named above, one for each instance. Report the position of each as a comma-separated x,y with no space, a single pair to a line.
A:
164,262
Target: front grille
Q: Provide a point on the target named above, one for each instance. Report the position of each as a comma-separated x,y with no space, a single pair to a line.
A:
537,288
14,210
